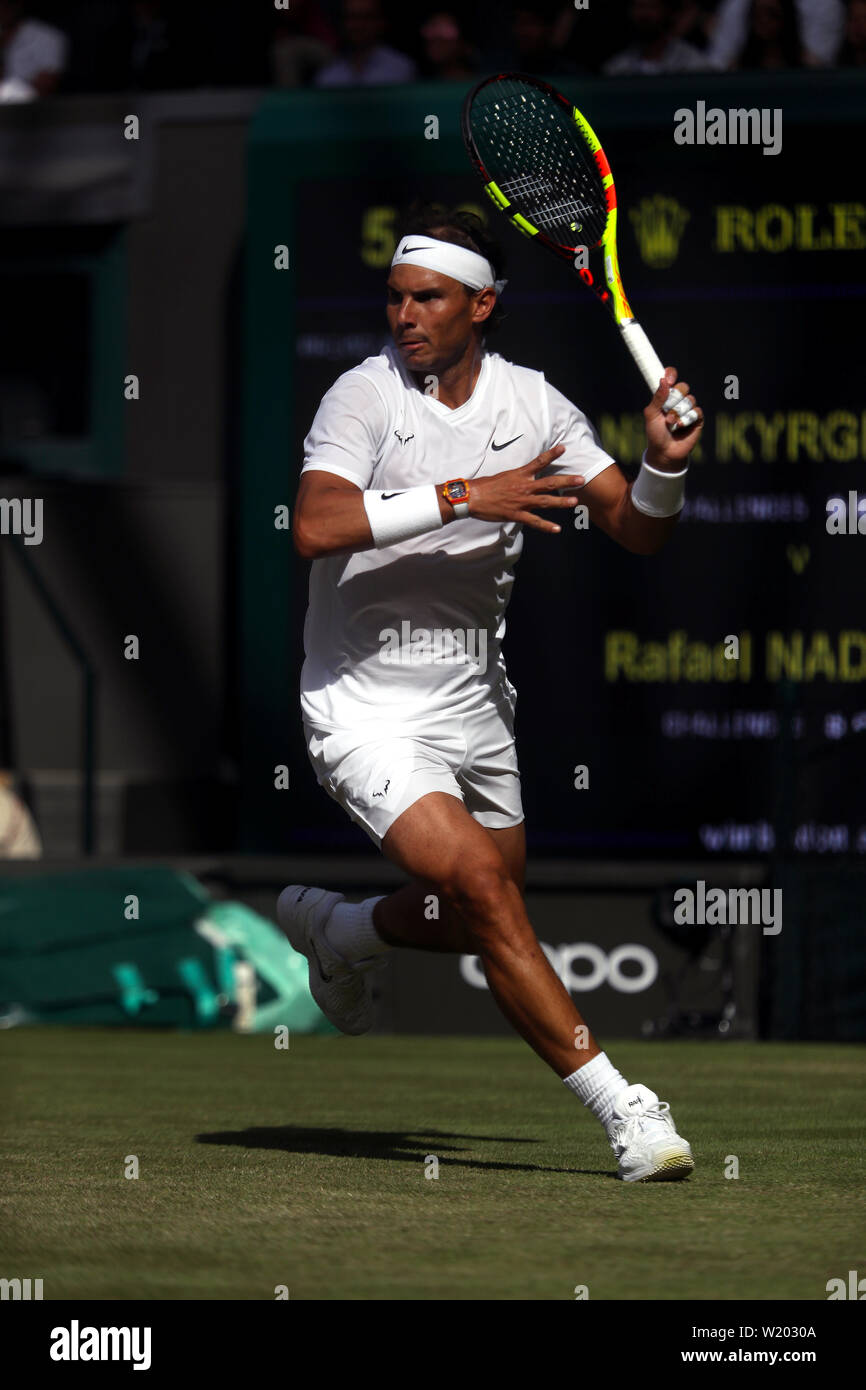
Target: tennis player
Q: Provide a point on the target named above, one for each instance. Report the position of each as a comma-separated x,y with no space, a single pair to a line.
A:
421,468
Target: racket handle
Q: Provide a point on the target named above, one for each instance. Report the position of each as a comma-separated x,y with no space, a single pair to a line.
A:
644,354
650,365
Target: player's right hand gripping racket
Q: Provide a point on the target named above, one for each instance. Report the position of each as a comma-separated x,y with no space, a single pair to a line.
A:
543,166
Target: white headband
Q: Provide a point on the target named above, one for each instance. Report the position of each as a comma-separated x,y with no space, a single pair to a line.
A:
468,267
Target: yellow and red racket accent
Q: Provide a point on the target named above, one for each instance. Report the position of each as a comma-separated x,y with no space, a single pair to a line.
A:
542,164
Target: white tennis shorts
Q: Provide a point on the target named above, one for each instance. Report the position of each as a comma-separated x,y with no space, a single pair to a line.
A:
376,771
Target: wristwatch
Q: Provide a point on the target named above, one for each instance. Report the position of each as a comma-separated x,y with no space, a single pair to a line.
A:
456,491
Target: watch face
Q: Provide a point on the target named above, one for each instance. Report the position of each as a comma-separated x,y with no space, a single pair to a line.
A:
457,491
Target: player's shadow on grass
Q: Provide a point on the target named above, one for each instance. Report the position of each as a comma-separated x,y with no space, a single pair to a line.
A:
395,1145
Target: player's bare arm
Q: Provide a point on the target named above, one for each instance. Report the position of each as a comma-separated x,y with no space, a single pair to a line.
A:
608,496
329,514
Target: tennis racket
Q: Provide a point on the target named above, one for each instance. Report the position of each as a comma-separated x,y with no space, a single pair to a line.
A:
543,166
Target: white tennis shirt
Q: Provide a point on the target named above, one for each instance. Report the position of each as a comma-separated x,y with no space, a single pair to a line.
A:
415,630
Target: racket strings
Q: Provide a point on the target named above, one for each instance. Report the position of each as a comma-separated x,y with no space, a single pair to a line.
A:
538,158
529,186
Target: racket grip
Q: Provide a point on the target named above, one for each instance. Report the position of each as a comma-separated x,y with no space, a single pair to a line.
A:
648,360
644,353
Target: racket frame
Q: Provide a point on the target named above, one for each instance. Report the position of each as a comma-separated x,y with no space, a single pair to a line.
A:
611,293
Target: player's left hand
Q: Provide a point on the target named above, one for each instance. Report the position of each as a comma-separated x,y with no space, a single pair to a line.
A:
666,448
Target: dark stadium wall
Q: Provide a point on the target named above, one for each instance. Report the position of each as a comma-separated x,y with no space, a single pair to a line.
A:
143,550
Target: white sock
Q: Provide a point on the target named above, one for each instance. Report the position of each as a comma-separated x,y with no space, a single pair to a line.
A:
350,931
597,1084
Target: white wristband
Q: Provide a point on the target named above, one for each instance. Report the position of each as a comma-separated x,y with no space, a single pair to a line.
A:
398,516
656,493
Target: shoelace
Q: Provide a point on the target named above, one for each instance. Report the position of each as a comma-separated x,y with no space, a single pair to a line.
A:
626,1131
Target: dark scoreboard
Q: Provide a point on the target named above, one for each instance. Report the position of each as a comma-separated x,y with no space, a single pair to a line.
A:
714,695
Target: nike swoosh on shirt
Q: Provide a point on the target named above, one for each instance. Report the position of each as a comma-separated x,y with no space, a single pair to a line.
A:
497,447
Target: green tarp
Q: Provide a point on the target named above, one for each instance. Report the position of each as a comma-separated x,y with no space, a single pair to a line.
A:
144,947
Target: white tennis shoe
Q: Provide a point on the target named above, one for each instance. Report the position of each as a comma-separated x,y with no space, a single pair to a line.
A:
341,990
644,1139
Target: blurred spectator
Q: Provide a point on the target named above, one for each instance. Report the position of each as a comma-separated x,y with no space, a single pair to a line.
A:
34,55
447,55
368,61
821,27
538,32
154,57
656,48
692,21
19,838
853,53
774,36
303,41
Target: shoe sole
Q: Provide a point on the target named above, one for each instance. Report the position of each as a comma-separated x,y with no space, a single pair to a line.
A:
296,926
671,1169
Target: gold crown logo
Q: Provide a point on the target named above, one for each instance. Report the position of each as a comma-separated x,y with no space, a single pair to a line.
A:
658,225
